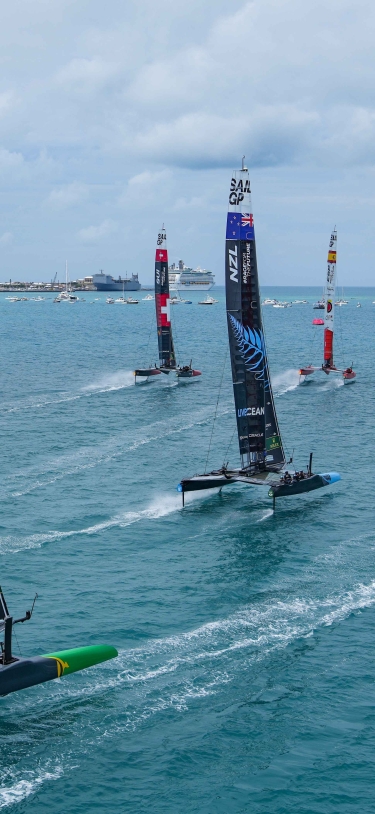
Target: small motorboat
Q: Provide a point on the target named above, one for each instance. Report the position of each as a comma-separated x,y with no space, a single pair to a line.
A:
110,301
130,301
120,301
358,305
208,301
148,298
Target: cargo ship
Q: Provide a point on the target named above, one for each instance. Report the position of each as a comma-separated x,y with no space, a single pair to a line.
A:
104,282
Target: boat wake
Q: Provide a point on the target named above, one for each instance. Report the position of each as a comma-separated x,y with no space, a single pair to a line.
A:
106,384
13,793
268,513
113,381
159,507
284,382
42,475
174,674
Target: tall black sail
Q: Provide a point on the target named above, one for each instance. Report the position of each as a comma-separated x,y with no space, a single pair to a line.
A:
258,432
167,357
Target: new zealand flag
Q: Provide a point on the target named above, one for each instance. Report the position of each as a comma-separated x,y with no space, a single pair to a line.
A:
240,226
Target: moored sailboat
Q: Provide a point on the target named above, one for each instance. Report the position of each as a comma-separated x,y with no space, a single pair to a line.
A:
259,438
167,356
18,673
328,365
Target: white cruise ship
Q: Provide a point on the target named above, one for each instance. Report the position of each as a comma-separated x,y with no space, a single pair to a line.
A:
183,278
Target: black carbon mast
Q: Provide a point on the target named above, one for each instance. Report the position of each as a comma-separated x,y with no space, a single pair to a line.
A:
259,438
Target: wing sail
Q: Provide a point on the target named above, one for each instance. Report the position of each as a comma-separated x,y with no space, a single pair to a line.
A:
167,357
258,431
330,301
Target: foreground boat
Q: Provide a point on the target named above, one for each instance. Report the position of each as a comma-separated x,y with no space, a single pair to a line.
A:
20,673
259,438
328,365
167,356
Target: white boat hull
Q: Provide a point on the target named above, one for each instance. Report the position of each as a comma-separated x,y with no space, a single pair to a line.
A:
191,287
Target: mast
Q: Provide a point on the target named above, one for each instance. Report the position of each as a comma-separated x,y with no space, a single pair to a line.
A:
167,357
258,431
329,301
66,276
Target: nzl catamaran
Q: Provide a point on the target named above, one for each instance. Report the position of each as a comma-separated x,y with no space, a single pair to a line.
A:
167,356
261,447
19,673
328,365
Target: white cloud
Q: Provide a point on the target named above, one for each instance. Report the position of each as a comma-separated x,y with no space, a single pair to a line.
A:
68,195
94,233
85,75
145,105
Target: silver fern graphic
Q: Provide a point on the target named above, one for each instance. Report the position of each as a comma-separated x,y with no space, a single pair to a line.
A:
252,349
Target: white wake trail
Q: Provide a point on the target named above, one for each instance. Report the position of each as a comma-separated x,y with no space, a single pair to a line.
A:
284,382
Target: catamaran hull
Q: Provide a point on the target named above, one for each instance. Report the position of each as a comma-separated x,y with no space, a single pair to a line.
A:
144,373
306,485
188,375
212,481
24,673
204,482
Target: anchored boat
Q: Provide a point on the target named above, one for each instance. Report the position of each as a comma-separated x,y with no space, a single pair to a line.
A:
20,673
328,365
167,356
259,438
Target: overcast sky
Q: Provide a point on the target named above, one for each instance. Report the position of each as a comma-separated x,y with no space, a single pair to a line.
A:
118,116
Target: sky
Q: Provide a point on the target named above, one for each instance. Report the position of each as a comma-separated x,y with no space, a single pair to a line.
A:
117,117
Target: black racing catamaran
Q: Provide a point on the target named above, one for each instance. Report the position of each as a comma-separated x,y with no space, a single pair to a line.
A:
167,356
261,448
20,673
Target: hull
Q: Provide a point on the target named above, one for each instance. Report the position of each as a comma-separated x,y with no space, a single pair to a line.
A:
191,286
217,480
23,673
130,285
306,485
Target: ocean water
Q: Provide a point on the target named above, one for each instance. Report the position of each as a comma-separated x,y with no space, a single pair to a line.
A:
245,675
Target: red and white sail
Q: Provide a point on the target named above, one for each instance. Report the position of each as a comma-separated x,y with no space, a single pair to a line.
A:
330,301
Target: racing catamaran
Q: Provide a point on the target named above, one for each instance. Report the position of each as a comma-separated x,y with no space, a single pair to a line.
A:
328,365
167,356
259,438
19,673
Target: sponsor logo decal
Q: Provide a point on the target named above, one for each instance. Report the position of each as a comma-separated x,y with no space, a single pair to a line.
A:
329,306
233,264
240,226
163,310
251,346
238,190
161,238
246,412
273,443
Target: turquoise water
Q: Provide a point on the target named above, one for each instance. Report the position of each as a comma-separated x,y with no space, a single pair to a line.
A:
245,676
